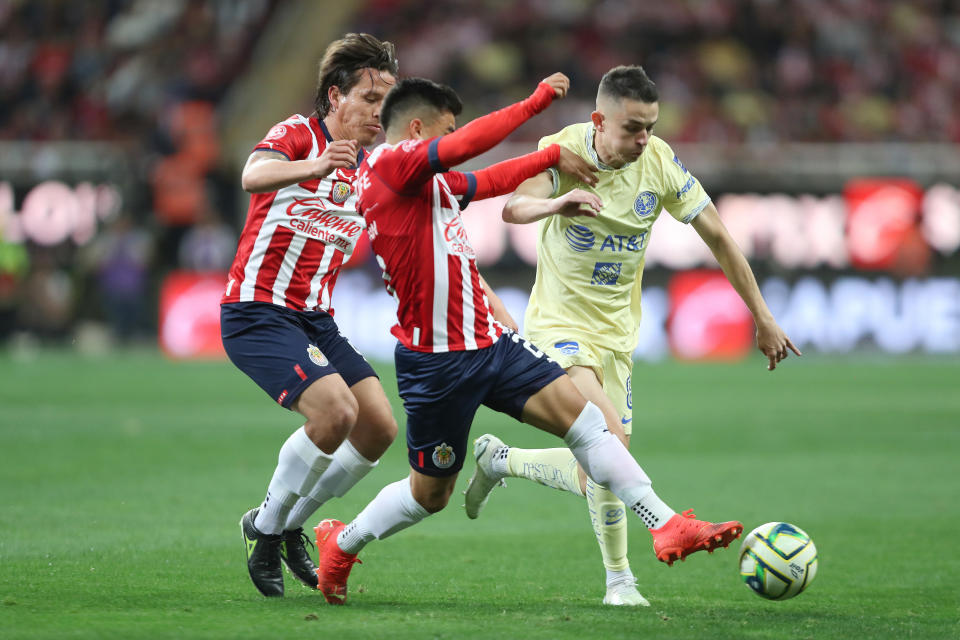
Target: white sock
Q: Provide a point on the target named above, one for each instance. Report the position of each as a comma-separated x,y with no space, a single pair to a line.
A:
394,509
617,576
347,469
299,466
608,463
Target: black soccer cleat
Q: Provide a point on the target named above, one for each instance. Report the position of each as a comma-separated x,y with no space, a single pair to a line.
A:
294,553
263,556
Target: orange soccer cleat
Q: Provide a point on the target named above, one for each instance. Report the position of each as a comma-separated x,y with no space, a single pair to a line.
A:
684,534
335,564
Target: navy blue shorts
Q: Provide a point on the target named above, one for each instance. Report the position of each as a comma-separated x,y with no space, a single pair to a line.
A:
442,391
284,351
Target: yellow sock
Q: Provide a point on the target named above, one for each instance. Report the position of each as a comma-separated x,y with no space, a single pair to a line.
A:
555,468
609,519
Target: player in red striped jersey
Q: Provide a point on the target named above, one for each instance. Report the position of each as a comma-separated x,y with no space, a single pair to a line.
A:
276,313
452,355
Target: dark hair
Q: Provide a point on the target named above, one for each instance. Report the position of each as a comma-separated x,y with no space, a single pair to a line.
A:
628,82
411,93
345,58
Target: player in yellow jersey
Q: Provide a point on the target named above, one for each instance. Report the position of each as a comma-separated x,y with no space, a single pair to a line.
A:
584,309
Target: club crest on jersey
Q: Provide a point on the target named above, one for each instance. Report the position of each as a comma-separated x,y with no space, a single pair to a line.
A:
316,356
579,237
340,191
629,394
443,456
567,348
645,204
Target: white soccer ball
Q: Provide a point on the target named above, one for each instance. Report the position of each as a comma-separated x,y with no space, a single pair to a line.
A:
778,560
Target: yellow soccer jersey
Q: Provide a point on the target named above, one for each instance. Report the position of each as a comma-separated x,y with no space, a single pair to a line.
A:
589,269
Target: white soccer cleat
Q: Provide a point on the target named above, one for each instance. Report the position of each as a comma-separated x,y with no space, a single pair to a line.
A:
484,478
623,593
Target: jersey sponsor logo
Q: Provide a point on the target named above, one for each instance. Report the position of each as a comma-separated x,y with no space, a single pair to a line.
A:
456,237
579,237
278,131
645,204
567,348
316,356
676,161
624,243
629,394
443,456
686,187
312,230
340,191
315,211
606,273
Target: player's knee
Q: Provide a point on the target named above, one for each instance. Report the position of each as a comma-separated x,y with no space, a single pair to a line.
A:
342,415
434,499
329,425
385,431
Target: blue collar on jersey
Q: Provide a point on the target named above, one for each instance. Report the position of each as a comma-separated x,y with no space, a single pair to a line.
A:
326,134
591,134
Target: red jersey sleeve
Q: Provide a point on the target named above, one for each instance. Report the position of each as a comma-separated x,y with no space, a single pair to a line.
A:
405,167
290,138
501,178
486,132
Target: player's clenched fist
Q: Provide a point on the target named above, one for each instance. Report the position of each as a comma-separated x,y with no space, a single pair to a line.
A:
338,154
559,82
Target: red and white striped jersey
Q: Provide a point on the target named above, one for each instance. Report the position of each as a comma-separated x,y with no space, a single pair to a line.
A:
413,220
296,238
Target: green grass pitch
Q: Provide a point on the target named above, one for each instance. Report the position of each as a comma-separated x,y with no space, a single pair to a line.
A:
123,478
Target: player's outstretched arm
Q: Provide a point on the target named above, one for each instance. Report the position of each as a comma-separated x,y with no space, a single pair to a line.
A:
487,131
532,201
771,340
267,170
504,177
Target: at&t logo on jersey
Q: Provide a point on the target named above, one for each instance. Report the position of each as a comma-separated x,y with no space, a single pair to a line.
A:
645,204
579,237
606,273
624,243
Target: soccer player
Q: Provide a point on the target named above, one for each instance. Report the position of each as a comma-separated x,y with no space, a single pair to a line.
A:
276,316
452,356
584,309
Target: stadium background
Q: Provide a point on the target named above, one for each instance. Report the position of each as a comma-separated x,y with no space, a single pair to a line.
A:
825,131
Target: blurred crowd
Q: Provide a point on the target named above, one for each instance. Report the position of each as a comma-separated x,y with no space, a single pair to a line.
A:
729,71
148,77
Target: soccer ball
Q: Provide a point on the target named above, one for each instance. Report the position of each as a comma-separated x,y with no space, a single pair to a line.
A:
778,560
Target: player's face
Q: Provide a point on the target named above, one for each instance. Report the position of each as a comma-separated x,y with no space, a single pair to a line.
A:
443,124
358,111
625,129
